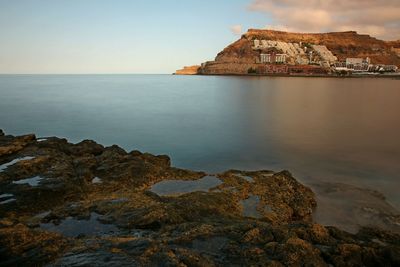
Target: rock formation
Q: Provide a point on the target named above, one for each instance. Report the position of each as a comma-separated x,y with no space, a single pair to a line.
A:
64,204
240,56
188,70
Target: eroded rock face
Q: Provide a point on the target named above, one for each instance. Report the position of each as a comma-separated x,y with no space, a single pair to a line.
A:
65,219
188,70
342,44
239,57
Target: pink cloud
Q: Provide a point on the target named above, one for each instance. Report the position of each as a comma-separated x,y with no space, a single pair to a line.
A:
236,29
379,18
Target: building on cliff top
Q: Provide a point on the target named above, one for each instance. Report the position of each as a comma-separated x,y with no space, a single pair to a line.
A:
295,53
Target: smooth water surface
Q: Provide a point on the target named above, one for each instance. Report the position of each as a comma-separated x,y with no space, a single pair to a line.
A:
321,129
14,161
72,227
250,207
33,181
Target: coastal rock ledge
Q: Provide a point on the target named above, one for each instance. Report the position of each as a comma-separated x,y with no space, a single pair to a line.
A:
84,204
188,70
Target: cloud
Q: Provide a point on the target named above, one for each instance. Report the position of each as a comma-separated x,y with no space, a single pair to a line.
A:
379,18
236,29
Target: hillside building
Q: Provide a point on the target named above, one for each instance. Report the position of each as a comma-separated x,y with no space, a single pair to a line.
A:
358,61
273,58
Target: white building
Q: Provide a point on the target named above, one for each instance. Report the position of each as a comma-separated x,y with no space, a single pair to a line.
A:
265,58
354,61
280,58
358,61
273,58
354,67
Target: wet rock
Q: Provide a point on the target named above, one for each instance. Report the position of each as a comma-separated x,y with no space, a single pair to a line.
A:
282,198
22,246
10,145
96,258
67,220
87,147
135,247
298,252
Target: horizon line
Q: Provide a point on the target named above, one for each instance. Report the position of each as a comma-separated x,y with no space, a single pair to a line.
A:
105,73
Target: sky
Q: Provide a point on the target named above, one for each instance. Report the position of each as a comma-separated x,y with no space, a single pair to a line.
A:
160,36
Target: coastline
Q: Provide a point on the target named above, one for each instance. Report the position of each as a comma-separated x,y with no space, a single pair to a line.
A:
287,54
396,76
84,203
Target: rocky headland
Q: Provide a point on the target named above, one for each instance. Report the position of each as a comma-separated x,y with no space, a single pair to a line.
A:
64,204
240,57
188,70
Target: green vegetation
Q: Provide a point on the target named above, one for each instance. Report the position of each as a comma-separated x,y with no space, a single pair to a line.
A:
251,71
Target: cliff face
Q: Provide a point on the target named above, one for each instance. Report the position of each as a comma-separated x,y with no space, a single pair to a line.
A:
238,57
188,70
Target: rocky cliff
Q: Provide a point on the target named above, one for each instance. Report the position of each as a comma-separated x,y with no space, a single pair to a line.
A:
239,56
188,70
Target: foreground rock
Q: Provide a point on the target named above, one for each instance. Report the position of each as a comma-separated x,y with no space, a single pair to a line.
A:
64,204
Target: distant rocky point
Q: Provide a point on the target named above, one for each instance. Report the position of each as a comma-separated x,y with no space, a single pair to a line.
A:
188,70
278,52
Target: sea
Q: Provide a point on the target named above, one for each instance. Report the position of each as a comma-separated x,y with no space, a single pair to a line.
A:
340,136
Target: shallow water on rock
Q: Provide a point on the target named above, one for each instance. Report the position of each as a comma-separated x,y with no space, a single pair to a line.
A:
73,227
96,258
14,161
246,177
350,207
6,195
42,214
250,207
6,198
178,187
211,245
33,181
119,200
96,180
8,201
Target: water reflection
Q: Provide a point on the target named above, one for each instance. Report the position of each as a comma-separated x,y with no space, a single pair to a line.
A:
72,227
322,130
250,207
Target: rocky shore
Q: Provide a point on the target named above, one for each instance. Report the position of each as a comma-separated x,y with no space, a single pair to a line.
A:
84,204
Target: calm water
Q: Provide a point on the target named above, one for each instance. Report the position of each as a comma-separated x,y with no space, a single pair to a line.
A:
323,130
